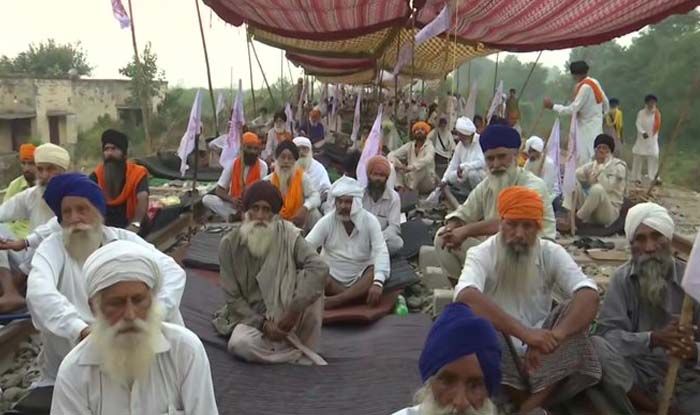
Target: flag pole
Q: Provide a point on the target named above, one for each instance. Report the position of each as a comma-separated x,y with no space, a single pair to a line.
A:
250,71
145,104
206,61
532,69
195,163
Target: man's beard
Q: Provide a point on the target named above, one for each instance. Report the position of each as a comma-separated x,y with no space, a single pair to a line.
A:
376,188
652,272
257,236
304,162
29,177
516,270
499,180
81,240
115,176
284,174
344,217
429,406
250,159
127,356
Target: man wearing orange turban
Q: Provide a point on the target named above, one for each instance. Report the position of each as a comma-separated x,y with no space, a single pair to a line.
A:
509,280
415,161
381,200
26,159
245,170
313,128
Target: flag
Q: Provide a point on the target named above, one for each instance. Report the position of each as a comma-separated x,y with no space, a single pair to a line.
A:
691,277
495,102
336,103
553,149
470,107
356,119
290,116
440,24
300,106
569,183
120,14
235,125
194,127
373,146
220,103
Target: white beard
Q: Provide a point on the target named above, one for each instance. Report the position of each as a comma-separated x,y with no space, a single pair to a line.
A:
82,240
516,272
429,406
256,237
498,182
127,357
652,275
285,176
304,163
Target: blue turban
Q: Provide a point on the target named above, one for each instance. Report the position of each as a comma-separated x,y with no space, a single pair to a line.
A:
458,332
73,184
496,135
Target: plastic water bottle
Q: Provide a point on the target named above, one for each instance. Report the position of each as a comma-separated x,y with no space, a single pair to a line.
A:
400,309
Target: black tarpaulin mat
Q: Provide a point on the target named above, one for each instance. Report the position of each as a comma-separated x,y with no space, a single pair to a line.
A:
617,228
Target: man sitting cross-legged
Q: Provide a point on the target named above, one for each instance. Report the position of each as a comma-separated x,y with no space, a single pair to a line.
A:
415,161
467,167
383,202
132,362
509,280
353,246
273,282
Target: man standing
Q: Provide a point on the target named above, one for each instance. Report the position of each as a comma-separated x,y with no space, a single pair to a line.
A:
442,140
513,110
273,283
312,168
245,170
56,291
131,352
383,202
124,183
588,105
353,247
278,133
543,166
553,343
415,161
467,168
646,148
614,125
478,216
639,316
460,366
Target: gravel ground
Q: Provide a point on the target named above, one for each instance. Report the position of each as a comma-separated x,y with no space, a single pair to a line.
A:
20,374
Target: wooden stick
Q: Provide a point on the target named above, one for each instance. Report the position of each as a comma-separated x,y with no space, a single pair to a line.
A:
142,95
495,74
250,71
267,85
572,213
532,69
537,121
206,61
195,164
543,158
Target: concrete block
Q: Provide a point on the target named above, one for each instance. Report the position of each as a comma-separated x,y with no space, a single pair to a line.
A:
441,298
427,257
434,278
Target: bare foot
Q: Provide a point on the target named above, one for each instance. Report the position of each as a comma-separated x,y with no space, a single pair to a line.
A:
11,302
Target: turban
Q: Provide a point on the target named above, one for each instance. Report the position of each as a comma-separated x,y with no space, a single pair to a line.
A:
116,138
302,142
52,154
315,114
120,261
520,202
604,139
534,143
287,145
26,152
420,125
497,135
73,184
263,190
465,126
251,139
650,214
578,68
457,333
379,164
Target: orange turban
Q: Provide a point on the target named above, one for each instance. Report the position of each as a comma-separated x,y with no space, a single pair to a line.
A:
251,139
26,152
420,125
520,203
380,164
315,114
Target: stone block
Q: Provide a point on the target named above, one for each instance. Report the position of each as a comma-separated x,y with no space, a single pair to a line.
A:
434,278
427,257
441,298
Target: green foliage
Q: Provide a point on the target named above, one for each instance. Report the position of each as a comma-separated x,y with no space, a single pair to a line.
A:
147,78
47,60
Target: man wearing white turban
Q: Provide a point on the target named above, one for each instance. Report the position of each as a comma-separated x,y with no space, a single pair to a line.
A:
353,247
638,316
312,167
467,167
543,166
132,359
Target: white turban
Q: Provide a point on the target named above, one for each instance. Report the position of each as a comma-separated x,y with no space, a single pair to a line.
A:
302,142
652,215
52,154
121,261
347,186
465,126
534,143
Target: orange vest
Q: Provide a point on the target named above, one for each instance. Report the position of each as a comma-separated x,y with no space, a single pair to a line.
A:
294,199
594,86
238,185
657,121
134,175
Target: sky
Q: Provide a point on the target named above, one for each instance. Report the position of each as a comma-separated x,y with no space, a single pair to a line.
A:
171,26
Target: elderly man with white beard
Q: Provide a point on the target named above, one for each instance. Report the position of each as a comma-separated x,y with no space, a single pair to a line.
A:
273,284
353,247
459,366
639,315
132,362
467,167
56,293
509,280
478,216
312,168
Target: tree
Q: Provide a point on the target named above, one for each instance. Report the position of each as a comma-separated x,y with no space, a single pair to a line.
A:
48,60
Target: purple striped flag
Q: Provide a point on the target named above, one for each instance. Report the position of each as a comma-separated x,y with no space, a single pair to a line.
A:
194,127
120,14
373,146
235,126
356,119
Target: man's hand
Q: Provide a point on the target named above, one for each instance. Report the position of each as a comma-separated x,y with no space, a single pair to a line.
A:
237,203
442,185
84,333
548,103
399,167
645,135
18,245
299,220
533,360
677,341
272,332
543,341
452,238
460,172
374,295
410,169
288,321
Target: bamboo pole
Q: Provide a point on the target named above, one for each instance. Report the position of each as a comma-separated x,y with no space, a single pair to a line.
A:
206,61
250,71
267,85
532,69
142,94
495,73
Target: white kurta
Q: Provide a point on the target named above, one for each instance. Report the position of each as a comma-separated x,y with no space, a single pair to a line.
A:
27,204
550,174
319,176
271,144
414,410
470,158
589,118
645,124
443,141
179,382
57,297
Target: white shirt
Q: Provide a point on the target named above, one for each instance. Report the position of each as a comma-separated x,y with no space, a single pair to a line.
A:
414,410
645,124
550,174
271,143
556,266
423,161
319,176
349,255
179,381
443,141
312,198
387,209
225,178
469,157
27,204
57,297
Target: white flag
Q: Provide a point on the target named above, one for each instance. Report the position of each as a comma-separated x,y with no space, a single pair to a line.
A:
220,103
356,119
235,126
440,24
691,277
470,107
496,102
300,105
553,149
120,14
373,146
290,116
194,127
569,183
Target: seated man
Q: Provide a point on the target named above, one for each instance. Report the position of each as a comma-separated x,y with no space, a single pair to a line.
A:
508,280
478,216
312,168
460,366
541,165
442,140
131,352
278,133
56,291
383,202
353,247
301,199
245,170
467,167
415,161
124,183
313,128
639,316
600,187
273,283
